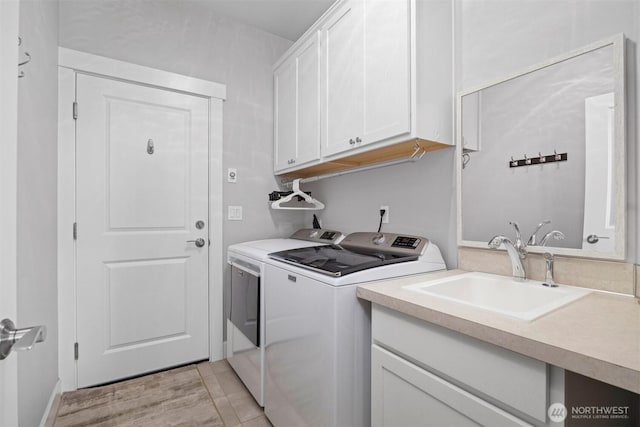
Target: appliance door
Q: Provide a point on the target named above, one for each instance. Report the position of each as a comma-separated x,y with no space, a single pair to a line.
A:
245,302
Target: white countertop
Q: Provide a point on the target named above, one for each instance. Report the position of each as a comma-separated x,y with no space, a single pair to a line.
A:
597,336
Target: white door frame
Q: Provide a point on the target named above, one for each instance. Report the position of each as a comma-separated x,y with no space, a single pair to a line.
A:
9,18
71,62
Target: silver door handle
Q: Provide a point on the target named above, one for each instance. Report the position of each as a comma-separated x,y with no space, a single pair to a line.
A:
594,238
199,242
19,339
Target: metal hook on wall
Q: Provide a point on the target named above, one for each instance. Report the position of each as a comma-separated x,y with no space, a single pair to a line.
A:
466,158
26,61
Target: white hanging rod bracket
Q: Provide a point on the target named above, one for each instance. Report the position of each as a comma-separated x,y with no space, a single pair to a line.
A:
296,192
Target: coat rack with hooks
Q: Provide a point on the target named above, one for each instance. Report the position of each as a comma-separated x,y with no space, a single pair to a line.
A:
540,160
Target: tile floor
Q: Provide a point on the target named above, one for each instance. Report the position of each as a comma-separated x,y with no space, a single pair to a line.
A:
231,398
216,381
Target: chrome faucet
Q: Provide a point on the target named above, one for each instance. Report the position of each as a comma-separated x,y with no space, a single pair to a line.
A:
517,252
548,275
557,235
519,244
533,240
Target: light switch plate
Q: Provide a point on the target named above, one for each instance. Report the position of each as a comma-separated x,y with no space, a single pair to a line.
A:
232,175
234,213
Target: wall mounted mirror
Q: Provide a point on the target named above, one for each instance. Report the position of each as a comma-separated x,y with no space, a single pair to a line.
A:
547,144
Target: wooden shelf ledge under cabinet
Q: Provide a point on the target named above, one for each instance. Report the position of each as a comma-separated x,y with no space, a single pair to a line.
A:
384,154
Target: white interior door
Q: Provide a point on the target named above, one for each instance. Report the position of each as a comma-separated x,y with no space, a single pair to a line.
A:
8,200
141,189
599,191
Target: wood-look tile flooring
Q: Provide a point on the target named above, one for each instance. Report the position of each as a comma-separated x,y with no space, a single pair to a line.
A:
206,394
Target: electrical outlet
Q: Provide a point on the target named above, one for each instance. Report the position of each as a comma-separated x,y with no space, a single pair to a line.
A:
234,213
385,218
232,175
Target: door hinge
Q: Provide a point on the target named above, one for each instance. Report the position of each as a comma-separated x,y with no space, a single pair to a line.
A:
75,231
75,110
75,351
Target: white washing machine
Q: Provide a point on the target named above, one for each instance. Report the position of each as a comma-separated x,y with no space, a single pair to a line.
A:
318,341
245,324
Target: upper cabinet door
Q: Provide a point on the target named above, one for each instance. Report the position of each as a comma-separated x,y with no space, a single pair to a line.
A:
308,137
387,69
344,75
297,107
284,81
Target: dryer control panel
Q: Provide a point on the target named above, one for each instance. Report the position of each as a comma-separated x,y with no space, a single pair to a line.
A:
320,235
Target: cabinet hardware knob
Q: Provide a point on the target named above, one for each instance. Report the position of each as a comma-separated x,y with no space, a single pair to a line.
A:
358,139
351,141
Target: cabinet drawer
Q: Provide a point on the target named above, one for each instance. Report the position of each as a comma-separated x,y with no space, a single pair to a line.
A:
511,378
406,395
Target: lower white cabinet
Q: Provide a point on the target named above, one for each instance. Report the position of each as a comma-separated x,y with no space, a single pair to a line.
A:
407,395
425,375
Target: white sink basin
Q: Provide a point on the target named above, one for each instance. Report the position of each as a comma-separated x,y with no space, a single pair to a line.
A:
526,300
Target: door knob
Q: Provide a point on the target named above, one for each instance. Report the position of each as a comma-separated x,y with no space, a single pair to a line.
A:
594,238
199,242
19,339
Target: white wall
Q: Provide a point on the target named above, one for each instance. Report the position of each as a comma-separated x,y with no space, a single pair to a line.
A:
37,206
497,38
186,37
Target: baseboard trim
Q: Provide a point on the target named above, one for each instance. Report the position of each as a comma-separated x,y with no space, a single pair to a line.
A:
49,416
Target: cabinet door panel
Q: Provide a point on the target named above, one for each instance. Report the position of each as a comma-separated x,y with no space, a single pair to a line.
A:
387,35
344,64
508,377
285,113
308,137
406,395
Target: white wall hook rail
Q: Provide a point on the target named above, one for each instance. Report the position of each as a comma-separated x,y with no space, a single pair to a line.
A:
296,192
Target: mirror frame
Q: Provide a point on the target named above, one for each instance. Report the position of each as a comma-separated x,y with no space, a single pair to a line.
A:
618,43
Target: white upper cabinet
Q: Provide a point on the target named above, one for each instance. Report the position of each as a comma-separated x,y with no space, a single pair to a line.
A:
297,107
386,84
367,78
343,42
387,70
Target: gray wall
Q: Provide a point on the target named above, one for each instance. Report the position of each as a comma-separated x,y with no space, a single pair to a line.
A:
37,206
420,196
500,37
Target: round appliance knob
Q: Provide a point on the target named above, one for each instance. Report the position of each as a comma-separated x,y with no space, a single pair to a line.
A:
378,239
